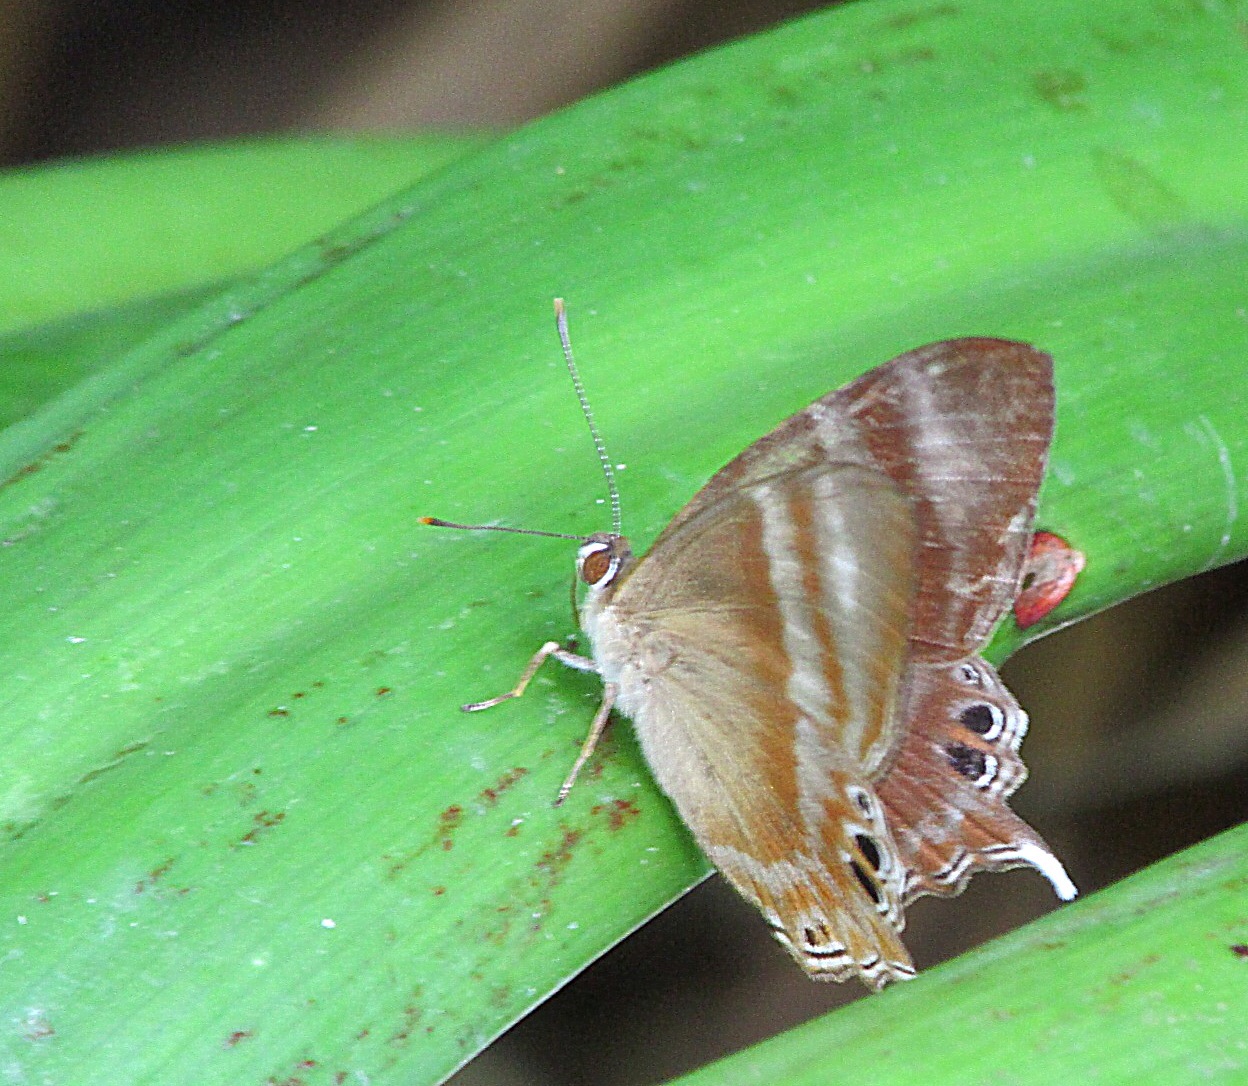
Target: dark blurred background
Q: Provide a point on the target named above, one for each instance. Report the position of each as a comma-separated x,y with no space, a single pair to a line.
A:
1139,739
78,76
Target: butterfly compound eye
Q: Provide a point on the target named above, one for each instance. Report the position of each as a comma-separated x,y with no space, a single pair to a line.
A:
601,558
595,566
597,561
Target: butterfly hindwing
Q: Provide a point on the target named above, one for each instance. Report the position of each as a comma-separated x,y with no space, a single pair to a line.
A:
963,427
945,795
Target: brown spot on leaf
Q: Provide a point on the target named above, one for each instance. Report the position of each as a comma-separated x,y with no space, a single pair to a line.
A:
153,877
36,1027
411,1016
619,812
554,861
59,449
906,19
448,822
490,796
1138,192
264,821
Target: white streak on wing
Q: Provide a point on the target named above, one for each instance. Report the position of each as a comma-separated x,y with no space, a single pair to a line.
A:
843,580
807,687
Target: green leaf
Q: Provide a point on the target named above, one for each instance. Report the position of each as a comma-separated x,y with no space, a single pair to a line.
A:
95,254
92,233
250,834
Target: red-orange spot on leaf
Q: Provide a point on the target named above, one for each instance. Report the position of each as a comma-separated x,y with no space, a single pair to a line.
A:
237,1037
1049,573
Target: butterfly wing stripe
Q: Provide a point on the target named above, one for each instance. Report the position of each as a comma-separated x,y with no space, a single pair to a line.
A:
816,682
839,543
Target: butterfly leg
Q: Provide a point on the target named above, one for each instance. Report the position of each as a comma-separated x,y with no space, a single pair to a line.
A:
551,648
609,691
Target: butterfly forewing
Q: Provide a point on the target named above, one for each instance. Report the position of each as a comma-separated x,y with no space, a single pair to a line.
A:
759,650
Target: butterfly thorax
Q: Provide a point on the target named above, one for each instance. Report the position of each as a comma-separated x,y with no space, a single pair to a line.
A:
603,564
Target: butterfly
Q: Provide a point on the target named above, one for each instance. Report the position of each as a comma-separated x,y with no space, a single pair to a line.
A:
799,650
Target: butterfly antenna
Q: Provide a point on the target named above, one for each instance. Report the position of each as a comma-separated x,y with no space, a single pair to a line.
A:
561,323
438,522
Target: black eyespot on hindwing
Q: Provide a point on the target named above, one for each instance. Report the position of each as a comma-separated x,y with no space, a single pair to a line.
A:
865,881
978,718
967,761
869,849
